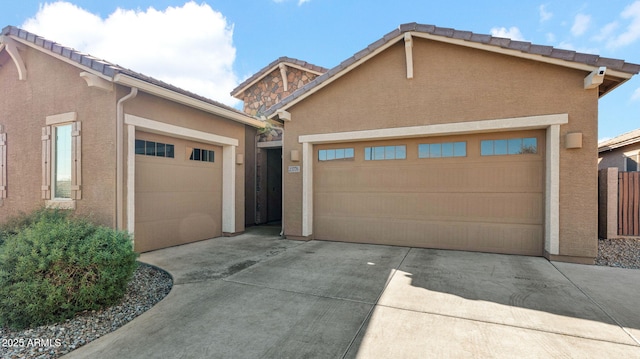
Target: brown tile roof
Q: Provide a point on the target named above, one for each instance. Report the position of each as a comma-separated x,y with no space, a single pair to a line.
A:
624,139
269,68
106,68
508,44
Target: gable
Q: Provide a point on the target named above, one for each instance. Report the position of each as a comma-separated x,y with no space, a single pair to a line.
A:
602,73
450,84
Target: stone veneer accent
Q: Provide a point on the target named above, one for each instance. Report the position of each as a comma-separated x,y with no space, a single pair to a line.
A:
270,90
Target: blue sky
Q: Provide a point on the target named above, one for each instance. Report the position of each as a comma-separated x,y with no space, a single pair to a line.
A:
211,46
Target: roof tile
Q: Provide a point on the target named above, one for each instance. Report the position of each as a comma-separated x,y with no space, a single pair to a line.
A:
462,35
563,54
429,29
540,50
483,39
499,41
520,45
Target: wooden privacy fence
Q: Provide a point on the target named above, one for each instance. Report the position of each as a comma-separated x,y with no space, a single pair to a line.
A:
629,203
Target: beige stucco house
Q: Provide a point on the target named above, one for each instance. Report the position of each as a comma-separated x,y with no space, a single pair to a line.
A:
621,152
138,154
429,137
439,138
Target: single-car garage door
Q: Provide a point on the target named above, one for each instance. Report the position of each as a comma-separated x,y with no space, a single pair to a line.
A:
481,192
178,191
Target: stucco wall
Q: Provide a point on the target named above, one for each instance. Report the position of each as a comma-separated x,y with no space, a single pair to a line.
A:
161,110
456,84
54,87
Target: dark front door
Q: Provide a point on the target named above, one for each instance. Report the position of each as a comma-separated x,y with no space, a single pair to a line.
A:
274,185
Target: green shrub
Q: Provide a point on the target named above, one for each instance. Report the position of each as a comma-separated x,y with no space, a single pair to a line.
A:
53,266
14,224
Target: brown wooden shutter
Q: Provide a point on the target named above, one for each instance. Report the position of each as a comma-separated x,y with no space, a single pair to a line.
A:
46,162
3,164
76,161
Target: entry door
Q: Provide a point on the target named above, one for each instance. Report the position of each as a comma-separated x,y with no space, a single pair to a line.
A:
274,185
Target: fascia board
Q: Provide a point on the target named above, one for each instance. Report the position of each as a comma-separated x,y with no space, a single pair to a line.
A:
186,100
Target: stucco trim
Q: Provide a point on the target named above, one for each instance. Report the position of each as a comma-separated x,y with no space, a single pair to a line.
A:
552,183
228,166
12,49
510,124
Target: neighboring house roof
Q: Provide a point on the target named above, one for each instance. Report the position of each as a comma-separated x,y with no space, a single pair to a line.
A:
625,139
618,71
120,75
299,64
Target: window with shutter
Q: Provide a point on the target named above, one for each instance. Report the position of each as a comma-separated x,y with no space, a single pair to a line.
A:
62,160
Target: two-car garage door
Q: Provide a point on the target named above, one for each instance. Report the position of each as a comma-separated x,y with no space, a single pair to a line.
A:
178,191
481,192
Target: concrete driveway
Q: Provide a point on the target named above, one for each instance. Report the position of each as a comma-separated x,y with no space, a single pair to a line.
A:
258,296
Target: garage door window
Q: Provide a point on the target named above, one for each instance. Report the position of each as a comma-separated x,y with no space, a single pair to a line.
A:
438,150
385,153
157,149
336,154
198,154
512,146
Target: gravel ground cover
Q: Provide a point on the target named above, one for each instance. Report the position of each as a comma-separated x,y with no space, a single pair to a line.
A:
619,252
150,285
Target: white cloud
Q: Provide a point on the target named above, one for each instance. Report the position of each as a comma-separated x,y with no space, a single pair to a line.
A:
632,32
189,46
551,37
607,31
300,2
544,14
510,33
580,24
636,95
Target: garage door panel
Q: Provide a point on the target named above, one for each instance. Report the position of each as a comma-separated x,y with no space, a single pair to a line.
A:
525,208
483,203
171,232
431,176
153,177
497,238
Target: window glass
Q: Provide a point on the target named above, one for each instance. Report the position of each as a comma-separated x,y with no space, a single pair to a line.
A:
331,155
423,151
348,153
140,147
62,187
486,148
460,149
211,156
367,153
205,156
150,148
529,145
385,153
632,164
169,150
447,149
339,153
514,146
500,147
378,153
160,152
435,150
322,155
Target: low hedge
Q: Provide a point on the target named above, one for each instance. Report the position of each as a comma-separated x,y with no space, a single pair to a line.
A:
54,265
